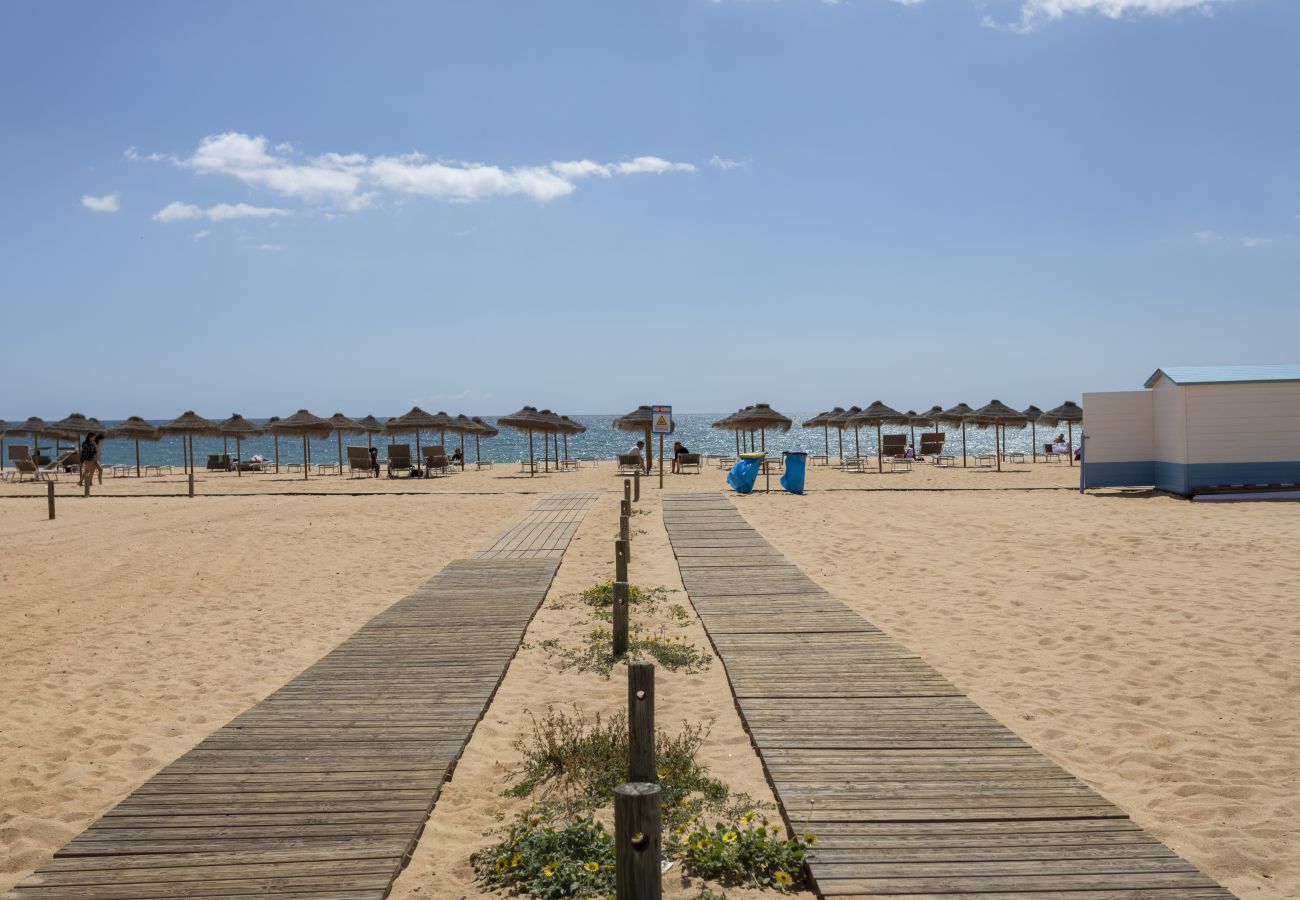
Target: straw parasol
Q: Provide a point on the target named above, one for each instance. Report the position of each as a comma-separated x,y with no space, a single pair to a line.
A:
639,420
823,421
341,423
275,436
877,414
415,420
761,417
725,424
999,415
530,420
567,427
306,425
77,425
1031,414
239,428
554,426
484,430
135,429
1068,412
838,419
464,425
372,427
188,424
959,415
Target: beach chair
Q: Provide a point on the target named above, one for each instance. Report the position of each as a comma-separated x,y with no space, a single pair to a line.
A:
629,463
23,464
726,462
359,462
435,458
399,459
932,448
218,462
893,445
688,460
1050,455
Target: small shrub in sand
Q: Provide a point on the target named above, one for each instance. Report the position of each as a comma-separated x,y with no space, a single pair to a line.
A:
742,852
673,652
541,860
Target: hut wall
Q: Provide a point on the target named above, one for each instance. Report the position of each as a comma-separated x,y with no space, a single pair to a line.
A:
1247,433
1119,448
1169,419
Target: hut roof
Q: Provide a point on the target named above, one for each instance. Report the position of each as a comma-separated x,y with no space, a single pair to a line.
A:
302,422
761,415
1069,411
878,414
135,428
189,422
238,426
484,428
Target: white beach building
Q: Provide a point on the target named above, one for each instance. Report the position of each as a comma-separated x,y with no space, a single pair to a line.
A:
1196,428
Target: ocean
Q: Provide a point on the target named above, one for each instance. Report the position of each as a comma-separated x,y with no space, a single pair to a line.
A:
600,441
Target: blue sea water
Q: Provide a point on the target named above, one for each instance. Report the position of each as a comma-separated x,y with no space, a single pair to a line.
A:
600,441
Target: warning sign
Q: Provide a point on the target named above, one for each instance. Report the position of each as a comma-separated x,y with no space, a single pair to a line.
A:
662,420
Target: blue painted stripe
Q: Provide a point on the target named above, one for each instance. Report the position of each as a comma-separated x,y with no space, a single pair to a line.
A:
1184,479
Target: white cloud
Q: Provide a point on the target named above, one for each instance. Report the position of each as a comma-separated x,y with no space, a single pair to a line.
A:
1248,241
222,212
200,235
270,248
351,181
109,203
721,162
1035,12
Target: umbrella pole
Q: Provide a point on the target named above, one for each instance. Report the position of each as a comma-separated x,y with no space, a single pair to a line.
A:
963,445
737,441
306,460
276,437
857,444
462,451
880,451
339,434
1070,446
531,468
546,453
826,436
137,457
1033,439
997,447
239,454
649,452
478,453
566,451
225,445
841,431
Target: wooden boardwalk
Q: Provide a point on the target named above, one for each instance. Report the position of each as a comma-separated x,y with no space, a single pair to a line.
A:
545,531
911,788
322,789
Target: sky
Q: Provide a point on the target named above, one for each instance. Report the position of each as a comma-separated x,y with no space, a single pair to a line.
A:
252,207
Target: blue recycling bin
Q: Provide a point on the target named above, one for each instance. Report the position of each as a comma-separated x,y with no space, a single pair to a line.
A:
744,473
796,463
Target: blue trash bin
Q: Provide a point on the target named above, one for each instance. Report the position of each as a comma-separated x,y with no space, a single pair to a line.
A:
796,463
745,472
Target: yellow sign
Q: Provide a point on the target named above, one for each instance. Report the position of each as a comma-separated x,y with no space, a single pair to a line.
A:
662,421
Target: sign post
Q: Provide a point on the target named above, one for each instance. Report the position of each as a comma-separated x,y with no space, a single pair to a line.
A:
661,423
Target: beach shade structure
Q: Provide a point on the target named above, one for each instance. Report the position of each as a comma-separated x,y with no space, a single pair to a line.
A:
823,421
760,417
528,419
372,427
188,424
724,424
464,426
1068,412
36,428
484,430
567,427
639,420
414,421
442,423
307,426
554,427
959,415
839,419
134,429
997,414
1031,414
275,437
878,414
340,424
238,428
78,425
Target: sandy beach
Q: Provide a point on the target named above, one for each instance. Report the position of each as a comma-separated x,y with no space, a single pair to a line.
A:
1146,644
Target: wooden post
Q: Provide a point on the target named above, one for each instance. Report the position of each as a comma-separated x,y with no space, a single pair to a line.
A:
627,490
49,496
191,482
641,722
621,616
625,528
637,841
85,486
661,462
636,485
620,561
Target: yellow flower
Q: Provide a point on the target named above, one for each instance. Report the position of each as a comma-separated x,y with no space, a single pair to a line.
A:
747,818
783,878
516,860
549,870
810,839
729,837
591,866
774,829
702,844
663,773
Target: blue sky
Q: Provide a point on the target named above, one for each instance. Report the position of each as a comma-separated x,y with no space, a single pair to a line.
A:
586,206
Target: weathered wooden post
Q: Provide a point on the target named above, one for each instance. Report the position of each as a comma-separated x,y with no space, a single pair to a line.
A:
620,611
627,490
636,485
49,496
85,485
191,482
620,561
638,843
641,721
625,527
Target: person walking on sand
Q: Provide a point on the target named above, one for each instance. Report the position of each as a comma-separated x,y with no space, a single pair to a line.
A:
90,460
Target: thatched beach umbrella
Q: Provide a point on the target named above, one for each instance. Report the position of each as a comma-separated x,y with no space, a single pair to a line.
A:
959,415
639,420
999,415
839,419
550,433
188,424
36,428
530,420
307,426
78,425
1068,412
372,427
567,427
413,421
239,428
134,429
464,425
760,417
878,414
341,423
484,431
1031,414
724,424
822,420
275,437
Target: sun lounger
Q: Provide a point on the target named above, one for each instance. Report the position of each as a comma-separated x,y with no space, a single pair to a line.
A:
328,468
688,460
399,459
1051,456
24,468
726,462
218,462
893,445
629,463
435,458
985,460
359,462
900,464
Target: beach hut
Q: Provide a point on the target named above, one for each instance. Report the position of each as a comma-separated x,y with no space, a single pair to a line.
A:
1197,429
307,426
341,424
998,415
528,419
877,414
134,429
639,420
239,428
959,415
188,424
483,430
1068,412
